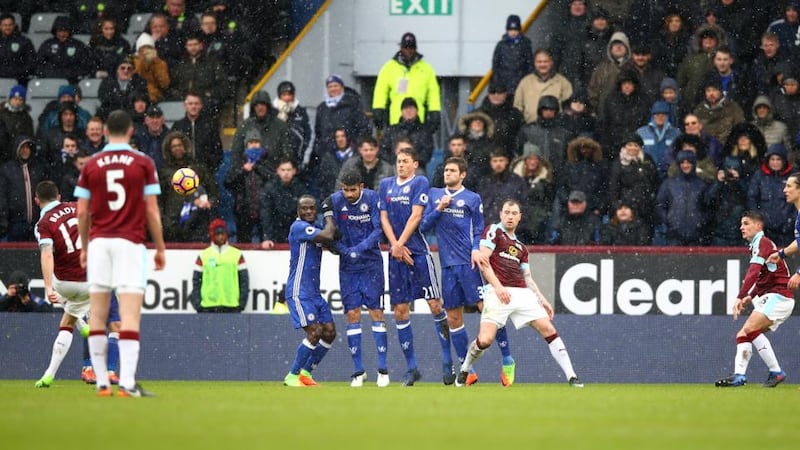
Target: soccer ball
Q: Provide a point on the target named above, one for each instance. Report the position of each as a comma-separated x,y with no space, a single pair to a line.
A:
185,181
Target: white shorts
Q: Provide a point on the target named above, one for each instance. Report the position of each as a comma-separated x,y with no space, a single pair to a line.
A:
776,307
523,308
74,295
116,263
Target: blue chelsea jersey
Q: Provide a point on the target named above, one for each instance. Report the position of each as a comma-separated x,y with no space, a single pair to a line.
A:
360,225
397,199
304,262
458,227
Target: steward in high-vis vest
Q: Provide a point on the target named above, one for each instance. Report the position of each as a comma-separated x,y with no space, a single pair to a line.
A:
220,282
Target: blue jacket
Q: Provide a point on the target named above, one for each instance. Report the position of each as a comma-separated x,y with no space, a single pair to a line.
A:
658,144
679,206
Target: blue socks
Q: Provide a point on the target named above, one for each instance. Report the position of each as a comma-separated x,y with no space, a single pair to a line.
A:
304,352
505,349
460,341
317,355
381,343
443,331
113,351
354,344
406,338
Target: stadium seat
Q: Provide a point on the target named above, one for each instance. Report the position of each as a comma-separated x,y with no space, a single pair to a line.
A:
90,104
45,87
83,38
131,38
37,106
138,22
173,111
37,39
43,22
90,87
5,86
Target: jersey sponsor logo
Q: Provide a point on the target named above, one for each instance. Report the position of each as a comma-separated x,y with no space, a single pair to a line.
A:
458,213
309,230
363,218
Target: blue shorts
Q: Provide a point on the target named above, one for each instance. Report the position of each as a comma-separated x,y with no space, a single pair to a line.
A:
361,289
307,311
408,283
461,286
113,309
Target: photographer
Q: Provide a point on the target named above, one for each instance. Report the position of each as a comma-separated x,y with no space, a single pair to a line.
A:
726,198
19,298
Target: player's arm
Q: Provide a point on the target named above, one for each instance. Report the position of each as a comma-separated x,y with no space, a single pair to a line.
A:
526,272
411,224
491,277
326,235
48,267
432,213
477,230
789,250
386,225
84,223
153,216
374,236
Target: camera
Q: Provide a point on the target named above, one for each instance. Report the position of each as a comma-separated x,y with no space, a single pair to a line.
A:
22,290
730,175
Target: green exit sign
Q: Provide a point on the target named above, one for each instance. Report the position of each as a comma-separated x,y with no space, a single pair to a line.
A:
421,7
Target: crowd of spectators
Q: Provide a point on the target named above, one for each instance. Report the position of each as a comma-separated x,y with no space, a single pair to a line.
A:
640,123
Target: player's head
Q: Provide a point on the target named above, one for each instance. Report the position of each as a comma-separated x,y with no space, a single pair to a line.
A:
407,162
352,185
218,231
119,124
307,208
791,190
752,222
455,170
46,192
510,214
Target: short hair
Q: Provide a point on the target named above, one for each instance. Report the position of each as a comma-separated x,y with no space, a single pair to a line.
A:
367,139
118,123
286,160
5,16
796,176
409,150
460,162
96,119
46,191
724,49
403,140
753,215
81,153
542,51
193,93
306,197
771,36
455,137
511,201
71,136
351,178
499,152
343,130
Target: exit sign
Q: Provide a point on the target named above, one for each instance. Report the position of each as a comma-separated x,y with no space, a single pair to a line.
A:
421,7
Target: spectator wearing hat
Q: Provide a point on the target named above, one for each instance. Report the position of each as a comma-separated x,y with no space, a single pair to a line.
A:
598,34
577,117
513,56
63,56
151,135
577,225
586,170
705,168
137,108
717,112
49,119
679,204
501,184
650,75
52,139
726,197
499,106
624,227
117,90
410,127
221,281
671,44
341,108
108,46
543,81
696,65
406,75
618,12
538,196
658,136
477,129
618,52
773,130
788,28
201,74
15,120
569,40
634,179
18,179
786,103
669,93
151,67
202,130
546,133
184,216
765,194
274,138
17,55
626,108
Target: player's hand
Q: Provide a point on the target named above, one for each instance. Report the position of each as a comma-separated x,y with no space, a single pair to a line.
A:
83,258
402,254
737,308
52,295
267,245
548,308
774,258
794,282
160,259
503,295
478,258
443,203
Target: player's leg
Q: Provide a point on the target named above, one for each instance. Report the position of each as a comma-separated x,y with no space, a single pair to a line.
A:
401,295
426,283
557,348
455,293
486,335
303,315
114,327
327,336
130,311
769,312
61,346
98,340
381,344
352,301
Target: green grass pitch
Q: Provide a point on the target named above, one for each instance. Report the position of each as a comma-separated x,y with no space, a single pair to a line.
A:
238,415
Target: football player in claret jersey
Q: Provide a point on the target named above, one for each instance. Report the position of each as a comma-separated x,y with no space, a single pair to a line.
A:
64,278
457,214
765,285
117,206
308,309
354,212
511,293
412,274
